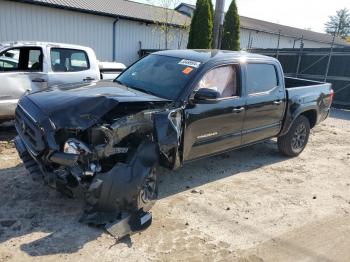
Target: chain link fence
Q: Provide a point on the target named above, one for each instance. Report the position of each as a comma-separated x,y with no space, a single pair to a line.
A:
330,64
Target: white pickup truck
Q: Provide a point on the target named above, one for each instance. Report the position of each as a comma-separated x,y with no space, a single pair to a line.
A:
27,67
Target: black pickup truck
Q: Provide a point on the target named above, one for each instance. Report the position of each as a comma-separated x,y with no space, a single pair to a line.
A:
166,109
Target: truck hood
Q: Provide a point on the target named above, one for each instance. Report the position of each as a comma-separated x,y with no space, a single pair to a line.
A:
82,105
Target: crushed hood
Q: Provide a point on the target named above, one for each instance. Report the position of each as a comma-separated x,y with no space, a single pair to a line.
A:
82,105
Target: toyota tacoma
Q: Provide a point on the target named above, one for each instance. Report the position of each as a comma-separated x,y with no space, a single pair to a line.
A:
106,139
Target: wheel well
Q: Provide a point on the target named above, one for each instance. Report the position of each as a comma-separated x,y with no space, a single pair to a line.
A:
311,115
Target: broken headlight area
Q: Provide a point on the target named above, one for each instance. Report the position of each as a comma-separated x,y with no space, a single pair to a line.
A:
122,151
168,132
74,146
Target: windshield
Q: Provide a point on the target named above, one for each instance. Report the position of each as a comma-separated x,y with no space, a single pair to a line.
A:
162,76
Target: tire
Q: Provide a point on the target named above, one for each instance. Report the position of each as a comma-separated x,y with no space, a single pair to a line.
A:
103,203
295,141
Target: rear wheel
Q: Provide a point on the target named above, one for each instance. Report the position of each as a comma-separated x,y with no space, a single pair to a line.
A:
294,142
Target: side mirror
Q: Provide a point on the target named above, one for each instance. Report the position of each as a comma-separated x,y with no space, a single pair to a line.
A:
206,94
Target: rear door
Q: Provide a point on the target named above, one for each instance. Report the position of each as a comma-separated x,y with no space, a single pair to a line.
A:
265,102
71,66
21,72
216,126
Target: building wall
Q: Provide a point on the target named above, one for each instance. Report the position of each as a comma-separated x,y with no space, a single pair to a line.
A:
266,40
37,23
135,35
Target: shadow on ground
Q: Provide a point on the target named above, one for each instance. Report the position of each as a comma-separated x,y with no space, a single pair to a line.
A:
340,114
30,207
7,133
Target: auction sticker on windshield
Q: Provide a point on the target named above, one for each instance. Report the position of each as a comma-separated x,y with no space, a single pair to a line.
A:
189,63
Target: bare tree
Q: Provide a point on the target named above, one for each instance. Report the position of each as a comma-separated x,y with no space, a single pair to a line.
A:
339,24
164,19
183,32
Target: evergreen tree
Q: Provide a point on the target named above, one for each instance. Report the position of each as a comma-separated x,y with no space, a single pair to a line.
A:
201,29
339,24
230,34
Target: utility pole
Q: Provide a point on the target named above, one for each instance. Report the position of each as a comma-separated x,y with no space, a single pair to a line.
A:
330,52
218,22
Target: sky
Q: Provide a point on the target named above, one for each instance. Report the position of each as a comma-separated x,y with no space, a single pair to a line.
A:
305,14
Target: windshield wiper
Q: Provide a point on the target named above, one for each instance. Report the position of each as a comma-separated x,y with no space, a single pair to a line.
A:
143,90
121,83
136,88
118,82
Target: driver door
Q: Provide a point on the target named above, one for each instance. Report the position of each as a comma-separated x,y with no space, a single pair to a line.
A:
215,126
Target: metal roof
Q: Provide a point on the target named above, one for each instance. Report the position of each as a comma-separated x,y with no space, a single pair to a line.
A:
264,26
116,8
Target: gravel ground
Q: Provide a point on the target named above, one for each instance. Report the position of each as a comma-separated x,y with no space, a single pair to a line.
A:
247,205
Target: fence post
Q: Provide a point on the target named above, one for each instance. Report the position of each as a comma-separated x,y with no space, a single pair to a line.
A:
329,59
300,55
278,44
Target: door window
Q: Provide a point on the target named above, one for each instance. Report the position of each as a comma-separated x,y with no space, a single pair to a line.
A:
261,78
24,59
69,60
35,61
9,60
222,79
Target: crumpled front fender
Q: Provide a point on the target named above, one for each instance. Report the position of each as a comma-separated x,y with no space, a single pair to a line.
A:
168,132
117,190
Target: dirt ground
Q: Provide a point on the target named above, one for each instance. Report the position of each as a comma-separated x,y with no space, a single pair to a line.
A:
247,205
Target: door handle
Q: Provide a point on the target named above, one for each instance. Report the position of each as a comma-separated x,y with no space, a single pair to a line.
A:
277,102
238,110
38,80
88,79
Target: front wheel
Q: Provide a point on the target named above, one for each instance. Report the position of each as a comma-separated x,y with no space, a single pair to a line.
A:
120,190
148,193
294,142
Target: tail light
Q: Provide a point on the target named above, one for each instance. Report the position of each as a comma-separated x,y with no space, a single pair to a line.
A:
331,95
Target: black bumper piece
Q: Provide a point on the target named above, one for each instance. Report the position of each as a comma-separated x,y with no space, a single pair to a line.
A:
28,161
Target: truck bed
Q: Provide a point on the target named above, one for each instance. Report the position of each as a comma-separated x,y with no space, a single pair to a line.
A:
309,90
307,93
291,82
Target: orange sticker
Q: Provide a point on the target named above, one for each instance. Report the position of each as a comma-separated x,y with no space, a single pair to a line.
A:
187,70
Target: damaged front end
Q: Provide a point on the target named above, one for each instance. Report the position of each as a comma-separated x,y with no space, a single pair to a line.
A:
112,163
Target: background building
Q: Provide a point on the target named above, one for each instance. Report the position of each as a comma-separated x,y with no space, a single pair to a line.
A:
261,34
110,27
118,29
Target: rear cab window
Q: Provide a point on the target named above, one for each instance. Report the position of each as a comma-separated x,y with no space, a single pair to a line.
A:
69,60
261,78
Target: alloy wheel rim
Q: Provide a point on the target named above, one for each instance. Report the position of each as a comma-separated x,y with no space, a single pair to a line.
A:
299,138
148,192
